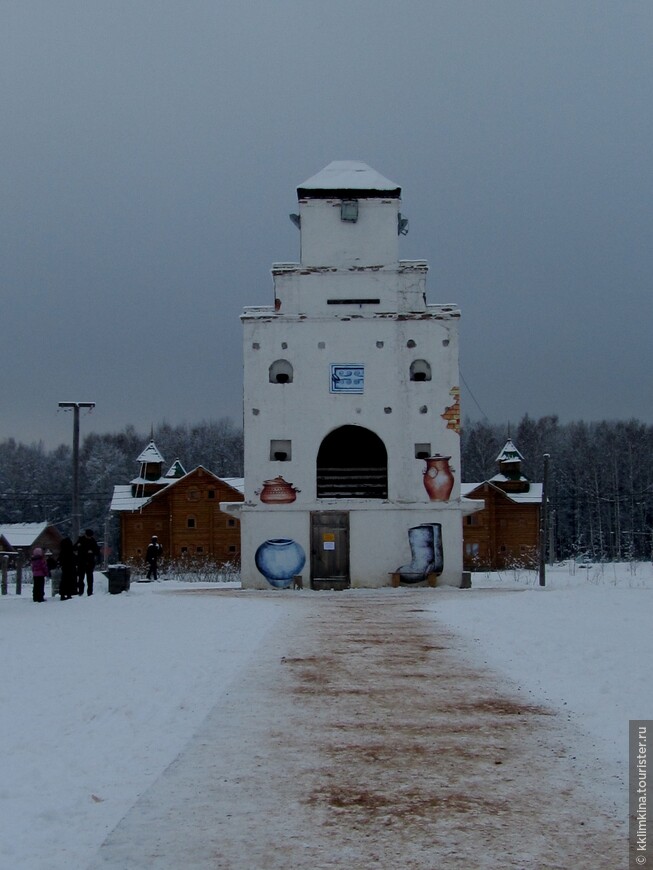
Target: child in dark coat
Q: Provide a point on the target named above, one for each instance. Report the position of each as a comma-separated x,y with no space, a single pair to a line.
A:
39,573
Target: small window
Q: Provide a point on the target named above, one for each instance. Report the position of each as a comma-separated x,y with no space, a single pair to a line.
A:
199,550
281,372
231,523
349,210
231,548
471,549
420,370
280,451
210,493
190,522
183,551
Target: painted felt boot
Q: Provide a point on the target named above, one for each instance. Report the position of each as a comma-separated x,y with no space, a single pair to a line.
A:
438,554
420,539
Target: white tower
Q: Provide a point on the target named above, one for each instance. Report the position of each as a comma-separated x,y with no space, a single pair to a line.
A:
351,420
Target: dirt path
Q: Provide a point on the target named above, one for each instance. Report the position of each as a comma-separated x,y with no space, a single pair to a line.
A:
358,741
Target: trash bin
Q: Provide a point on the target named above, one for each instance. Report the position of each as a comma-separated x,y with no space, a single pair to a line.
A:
119,576
55,579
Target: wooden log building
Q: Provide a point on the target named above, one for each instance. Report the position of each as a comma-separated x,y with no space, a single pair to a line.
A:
181,508
506,532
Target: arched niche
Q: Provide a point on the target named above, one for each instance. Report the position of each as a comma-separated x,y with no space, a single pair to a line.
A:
352,462
420,370
281,372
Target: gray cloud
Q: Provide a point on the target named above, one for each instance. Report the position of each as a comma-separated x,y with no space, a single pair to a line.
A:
151,153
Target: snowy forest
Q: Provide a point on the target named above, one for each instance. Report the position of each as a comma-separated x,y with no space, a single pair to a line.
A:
600,475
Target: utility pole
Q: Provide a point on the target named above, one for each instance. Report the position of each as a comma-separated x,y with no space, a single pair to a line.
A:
544,520
75,511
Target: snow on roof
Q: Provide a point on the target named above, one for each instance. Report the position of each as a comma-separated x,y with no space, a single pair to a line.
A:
509,453
150,454
349,175
22,534
533,496
176,470
123,500
141,481
237,483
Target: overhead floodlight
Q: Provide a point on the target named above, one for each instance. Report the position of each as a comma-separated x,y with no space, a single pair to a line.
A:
295,218
402,225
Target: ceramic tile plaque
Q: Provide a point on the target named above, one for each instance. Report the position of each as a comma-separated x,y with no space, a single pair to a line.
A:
347,378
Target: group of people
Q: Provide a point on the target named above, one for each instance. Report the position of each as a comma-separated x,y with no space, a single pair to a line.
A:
76,563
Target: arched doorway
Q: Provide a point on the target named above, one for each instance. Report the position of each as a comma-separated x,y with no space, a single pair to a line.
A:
352,462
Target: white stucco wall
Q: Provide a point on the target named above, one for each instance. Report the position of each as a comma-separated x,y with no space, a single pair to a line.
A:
328,241
400,411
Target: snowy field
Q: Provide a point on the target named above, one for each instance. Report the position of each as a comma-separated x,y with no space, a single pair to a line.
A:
100,694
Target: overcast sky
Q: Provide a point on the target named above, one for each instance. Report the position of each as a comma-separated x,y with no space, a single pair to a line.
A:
151,151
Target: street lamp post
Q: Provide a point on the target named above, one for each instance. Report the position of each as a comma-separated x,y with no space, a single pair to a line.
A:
544,519
75,511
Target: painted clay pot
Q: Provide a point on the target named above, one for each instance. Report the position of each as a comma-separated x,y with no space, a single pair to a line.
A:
438,478
278,491
278,560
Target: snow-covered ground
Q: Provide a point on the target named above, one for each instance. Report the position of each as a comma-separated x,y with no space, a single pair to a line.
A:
100,694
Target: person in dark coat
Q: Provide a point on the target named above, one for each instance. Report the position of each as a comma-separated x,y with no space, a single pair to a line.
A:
39,573
68,565
152,556
88,553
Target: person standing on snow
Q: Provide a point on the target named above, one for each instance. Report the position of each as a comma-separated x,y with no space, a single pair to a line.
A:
39,573
68,566
88,553
152,556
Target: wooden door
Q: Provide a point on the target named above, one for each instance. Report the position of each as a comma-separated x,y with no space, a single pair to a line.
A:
330,550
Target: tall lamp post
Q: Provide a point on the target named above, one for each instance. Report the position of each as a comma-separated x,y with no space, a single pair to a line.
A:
75,511
544,519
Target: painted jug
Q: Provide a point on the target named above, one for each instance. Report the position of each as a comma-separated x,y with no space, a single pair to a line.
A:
438,477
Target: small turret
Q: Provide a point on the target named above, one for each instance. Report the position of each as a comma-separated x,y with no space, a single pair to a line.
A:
349,216
510,478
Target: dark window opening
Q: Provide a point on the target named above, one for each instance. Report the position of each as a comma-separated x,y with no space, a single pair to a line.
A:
422,451
211,493
353,301
420,370
352,463
281,372
280,450
190,522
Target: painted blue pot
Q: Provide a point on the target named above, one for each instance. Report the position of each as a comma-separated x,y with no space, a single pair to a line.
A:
278,560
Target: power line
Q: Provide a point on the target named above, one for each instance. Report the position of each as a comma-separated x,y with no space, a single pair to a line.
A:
462,378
